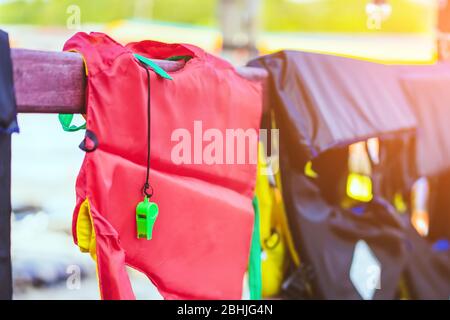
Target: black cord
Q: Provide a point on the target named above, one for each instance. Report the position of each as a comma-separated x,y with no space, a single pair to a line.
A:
147,183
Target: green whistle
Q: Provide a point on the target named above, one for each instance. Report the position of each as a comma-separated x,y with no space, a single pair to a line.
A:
146,214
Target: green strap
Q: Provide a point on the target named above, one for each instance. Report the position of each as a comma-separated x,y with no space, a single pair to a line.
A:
254,265
178,58
158,70
66,123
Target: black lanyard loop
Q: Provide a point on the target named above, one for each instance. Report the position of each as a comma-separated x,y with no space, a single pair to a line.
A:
147,189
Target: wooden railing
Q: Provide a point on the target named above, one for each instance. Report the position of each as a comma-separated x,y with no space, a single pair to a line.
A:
54,82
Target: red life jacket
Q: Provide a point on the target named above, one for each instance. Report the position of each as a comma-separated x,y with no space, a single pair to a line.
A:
201,238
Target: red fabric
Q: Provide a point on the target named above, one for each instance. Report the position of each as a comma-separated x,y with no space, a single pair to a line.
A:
201,238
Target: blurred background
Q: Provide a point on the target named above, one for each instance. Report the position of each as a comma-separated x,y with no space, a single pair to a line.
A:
46,160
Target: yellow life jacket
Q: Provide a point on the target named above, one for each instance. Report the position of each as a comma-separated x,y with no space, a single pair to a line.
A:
275,237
